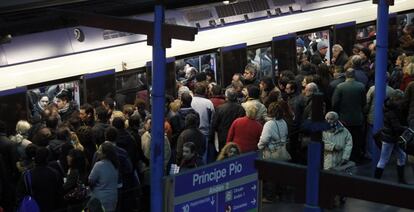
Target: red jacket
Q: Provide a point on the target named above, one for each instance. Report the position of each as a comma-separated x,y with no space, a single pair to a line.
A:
217,101
246,133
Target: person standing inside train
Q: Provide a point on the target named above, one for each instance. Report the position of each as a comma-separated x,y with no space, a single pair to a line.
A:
319,56
249,75
64,104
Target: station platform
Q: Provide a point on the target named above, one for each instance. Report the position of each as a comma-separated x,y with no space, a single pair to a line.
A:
351,205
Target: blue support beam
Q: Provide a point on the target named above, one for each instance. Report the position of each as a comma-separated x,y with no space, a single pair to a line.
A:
381,63
158,102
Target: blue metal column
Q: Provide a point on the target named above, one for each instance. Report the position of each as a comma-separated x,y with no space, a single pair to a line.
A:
381,62
314,155
158,102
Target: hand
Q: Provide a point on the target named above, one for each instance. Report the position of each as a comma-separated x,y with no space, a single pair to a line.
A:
337,148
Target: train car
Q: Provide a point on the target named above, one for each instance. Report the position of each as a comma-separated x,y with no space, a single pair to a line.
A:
77,59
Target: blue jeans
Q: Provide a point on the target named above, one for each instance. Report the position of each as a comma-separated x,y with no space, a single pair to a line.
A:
386,151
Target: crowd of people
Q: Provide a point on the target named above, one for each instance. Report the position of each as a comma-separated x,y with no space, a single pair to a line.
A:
62,150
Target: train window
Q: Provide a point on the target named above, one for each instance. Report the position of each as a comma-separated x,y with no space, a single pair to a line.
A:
187,67
262,58
284,53
44,95
13,108
99,86
366,32
130,84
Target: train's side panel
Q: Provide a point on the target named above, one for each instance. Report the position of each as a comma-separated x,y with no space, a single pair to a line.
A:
137,54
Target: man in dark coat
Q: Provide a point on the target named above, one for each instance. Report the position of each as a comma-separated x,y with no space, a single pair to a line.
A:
250,75
224,117
340,58
65,105
319,56
349,101
98,131
46,185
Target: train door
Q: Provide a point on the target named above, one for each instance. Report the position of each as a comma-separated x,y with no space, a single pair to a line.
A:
232,60
131,84
13,108
170,77
99,86
342,36
284,53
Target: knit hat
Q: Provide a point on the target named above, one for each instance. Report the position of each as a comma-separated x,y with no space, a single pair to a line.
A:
322,45
300,42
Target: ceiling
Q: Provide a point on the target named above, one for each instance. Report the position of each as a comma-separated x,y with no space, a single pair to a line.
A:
18,17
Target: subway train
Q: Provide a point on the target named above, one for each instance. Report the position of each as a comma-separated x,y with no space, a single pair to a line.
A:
29,65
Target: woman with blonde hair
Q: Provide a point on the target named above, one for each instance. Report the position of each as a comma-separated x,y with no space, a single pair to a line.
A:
245,131
229,150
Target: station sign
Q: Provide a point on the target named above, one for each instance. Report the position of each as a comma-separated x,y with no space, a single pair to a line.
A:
228,185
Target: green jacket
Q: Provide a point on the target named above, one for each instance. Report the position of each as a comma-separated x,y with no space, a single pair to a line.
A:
349,101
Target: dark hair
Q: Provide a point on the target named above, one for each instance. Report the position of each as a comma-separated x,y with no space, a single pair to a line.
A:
88,110
269,83
201,76
192,120
134,121
110,102
216,90
190,145
78,160
253,91
63,133
109,153
111,133
186,99
200,88
30,151
118,123
41,156
273,96
64,95
42,137
84,134
52,122
102,113
275,111
293,85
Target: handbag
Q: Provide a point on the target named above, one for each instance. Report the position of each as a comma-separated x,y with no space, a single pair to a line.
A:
78,194
406,140
276,150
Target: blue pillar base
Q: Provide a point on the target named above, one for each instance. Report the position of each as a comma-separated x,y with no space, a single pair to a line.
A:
310,208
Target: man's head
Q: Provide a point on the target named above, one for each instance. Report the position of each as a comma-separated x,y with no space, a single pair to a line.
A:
62,99
310,89
291,87
322,47
336,50
249,72
332,119
86,112
350,73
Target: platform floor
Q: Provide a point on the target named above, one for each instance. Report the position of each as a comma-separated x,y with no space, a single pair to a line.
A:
354,205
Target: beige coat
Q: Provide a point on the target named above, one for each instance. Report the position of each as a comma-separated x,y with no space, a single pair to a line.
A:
338,147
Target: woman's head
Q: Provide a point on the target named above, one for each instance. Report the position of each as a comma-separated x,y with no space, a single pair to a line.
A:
229,150
275,111
22,127
251,109
76,160
107,152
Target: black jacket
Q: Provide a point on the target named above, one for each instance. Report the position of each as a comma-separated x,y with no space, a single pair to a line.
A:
342,59
98,133
128,143
392,123
9,152
46,187
223,118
